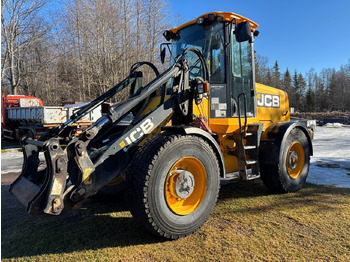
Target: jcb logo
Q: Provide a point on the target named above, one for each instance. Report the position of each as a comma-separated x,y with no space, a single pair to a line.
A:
267,100
145,128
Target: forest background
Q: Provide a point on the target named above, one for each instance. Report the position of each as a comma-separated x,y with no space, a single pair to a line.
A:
85,47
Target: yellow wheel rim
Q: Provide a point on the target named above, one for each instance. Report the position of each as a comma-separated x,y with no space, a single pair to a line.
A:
295,160
185,186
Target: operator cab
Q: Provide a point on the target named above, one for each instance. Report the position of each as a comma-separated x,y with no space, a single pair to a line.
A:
226,41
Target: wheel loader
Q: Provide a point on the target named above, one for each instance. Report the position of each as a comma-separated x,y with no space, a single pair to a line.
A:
202,121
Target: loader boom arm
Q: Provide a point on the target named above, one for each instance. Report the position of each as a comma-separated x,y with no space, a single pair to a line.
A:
71,175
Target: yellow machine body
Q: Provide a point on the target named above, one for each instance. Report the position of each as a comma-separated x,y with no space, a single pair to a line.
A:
272,106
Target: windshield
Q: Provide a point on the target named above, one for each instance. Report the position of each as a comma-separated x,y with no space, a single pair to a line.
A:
210,41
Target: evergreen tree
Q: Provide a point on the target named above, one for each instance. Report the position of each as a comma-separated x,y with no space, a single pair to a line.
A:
295,80
276,76
298,89
269,80
287,81
309,105
286,86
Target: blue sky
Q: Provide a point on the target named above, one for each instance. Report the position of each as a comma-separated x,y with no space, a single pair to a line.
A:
300,34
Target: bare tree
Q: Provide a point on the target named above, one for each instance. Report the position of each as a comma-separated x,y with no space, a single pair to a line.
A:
18,19
104,38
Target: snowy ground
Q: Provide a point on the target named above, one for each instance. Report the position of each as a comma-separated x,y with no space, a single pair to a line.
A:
330,164
11,161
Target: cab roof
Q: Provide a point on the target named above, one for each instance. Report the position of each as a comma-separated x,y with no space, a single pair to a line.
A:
227,17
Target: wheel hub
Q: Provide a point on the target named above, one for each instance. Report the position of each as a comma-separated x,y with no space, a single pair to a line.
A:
184,184
293,159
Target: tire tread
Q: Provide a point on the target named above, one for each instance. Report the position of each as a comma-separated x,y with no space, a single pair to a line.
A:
138,176
271,174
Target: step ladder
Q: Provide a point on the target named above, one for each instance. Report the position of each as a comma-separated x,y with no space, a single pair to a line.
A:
247,151
247,140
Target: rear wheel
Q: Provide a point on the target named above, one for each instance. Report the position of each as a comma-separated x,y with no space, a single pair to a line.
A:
290,174
173,184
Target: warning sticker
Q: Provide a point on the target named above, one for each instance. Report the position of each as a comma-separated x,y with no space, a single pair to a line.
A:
220,113
215,100
215,107
222,106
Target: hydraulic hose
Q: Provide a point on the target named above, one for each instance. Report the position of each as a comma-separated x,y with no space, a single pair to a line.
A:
201,59
139,64
143,93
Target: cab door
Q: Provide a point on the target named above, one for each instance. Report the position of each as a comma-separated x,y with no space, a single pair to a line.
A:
242,80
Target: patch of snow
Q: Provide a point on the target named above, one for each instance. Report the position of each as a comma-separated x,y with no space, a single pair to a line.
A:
13,170
330,164
333,125
12,161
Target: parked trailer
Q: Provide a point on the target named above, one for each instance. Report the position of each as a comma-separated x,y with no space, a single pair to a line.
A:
27,115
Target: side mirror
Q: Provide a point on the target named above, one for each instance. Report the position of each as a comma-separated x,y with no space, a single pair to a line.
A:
243,32
162,48
162,55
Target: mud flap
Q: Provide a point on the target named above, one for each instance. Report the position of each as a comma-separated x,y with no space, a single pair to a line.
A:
41,191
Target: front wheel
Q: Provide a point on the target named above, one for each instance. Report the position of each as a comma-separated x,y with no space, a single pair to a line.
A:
173,184
290,174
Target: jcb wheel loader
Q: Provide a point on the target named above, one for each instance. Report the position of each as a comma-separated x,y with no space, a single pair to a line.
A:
202,120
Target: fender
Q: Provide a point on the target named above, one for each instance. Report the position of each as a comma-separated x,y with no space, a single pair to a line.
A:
189,130
273,138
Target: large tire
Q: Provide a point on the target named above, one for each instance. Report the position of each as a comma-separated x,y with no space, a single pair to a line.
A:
290,174
173,185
